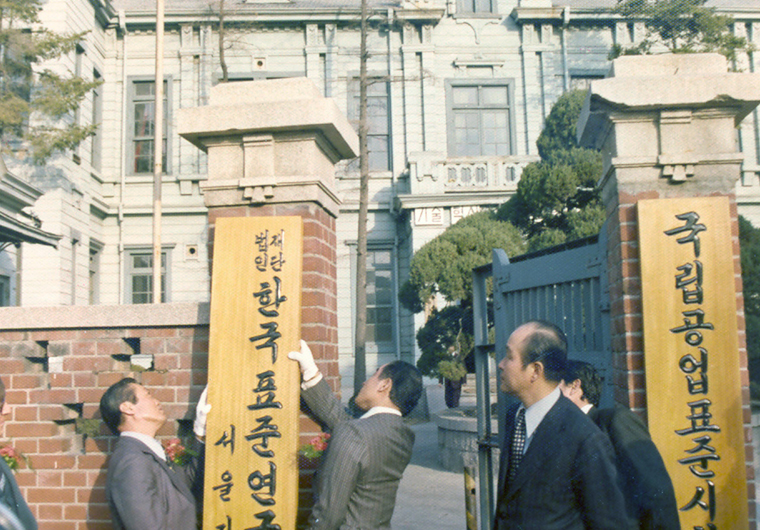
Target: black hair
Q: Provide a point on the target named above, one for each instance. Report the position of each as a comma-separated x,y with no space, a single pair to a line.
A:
547,344
591,381
406,385
112,399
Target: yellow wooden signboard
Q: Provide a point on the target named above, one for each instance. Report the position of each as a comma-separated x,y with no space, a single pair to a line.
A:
691,355
252,434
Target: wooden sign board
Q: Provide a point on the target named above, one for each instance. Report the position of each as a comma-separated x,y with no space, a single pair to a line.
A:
252,434
691,356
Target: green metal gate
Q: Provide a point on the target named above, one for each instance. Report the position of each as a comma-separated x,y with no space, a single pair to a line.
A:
566,285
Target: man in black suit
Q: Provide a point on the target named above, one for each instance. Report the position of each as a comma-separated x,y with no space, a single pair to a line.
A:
366,456
557,469
143,491
649,494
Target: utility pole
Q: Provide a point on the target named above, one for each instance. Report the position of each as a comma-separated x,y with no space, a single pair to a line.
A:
158,150
360,337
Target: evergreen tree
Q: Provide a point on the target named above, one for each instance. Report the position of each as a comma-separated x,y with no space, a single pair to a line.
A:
444,265
556,199
680,26
36,103
749,241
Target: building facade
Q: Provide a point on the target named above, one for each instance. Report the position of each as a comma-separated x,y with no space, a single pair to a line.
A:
458,96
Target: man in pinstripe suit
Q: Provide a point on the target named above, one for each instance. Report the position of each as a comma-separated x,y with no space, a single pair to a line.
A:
366,457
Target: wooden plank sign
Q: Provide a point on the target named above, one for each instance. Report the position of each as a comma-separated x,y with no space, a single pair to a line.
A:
252,434
691,356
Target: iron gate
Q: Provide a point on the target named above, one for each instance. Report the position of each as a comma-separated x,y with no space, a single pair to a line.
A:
566,285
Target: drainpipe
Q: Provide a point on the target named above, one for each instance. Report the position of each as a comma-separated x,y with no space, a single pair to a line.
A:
565,70
123,162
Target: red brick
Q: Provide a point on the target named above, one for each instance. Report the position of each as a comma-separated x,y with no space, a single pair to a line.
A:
49,511
50,495
74,478
19,381
84,347
29,430
55,445
92,461
75,512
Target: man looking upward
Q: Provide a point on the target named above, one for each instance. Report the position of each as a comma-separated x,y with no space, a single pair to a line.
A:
143,491
366,457
557,469
649,495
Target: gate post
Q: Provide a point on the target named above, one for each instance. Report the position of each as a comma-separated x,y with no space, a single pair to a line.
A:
272,148
666,128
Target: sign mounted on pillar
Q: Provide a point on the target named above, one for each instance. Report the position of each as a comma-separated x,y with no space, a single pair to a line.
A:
252,434
691,356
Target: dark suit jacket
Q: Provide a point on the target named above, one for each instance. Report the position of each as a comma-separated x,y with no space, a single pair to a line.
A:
566,479
11,497
649,494
365,459
145,493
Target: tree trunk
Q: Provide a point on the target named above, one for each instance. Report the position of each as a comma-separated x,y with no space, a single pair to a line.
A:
222,60
360,337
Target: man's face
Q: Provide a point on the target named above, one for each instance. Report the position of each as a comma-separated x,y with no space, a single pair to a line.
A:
371,390
147,408
514,376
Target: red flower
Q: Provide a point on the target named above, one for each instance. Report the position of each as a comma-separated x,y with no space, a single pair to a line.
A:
176,453
316,446
13,457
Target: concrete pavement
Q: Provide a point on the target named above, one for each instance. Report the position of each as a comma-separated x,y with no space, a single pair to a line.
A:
429,497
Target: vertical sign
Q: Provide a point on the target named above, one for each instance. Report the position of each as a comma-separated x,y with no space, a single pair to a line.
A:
251,478
691,356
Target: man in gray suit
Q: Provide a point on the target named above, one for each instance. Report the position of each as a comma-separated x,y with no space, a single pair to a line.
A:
143,491
365,457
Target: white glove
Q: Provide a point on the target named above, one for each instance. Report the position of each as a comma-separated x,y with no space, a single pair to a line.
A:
201,412
306,362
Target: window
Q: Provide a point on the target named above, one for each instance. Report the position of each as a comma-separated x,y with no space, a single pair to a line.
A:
379,297
474,6
140,276
480,118
378,137
142,103
5,291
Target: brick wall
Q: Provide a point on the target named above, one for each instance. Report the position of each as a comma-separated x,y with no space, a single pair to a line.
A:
57,362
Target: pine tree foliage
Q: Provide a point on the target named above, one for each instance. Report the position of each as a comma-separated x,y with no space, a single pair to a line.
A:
444,265
680,26
556,199
37,103
749,241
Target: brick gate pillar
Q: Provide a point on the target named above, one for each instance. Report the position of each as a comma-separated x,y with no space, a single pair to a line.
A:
666,126
272,148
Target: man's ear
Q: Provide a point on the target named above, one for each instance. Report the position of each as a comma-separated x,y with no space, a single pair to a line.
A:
538,371
385,385
127,408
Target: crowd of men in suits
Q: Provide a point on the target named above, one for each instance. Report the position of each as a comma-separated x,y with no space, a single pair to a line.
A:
565,463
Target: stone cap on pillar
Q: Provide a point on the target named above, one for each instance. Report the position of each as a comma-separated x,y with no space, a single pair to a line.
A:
674,81
276,105
270,142
662,121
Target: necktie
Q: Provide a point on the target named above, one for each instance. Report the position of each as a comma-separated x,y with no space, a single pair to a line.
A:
518,444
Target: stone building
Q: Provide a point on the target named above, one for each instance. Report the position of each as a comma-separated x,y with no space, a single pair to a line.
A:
459,93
